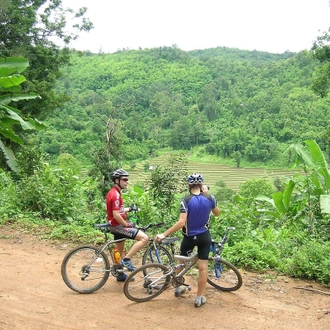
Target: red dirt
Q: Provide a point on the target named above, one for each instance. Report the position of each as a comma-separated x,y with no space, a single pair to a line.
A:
34,296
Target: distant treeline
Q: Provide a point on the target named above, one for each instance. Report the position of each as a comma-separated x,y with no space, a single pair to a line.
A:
234,104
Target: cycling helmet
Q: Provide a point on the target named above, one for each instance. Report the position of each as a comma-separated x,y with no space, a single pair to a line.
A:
195,178
117,174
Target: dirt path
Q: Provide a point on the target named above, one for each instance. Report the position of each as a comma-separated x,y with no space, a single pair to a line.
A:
34,296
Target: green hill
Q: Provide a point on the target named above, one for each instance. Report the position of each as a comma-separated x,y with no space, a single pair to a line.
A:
226,101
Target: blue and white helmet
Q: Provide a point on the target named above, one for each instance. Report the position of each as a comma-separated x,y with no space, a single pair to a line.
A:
195,178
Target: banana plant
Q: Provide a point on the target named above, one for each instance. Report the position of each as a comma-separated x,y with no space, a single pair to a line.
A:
315,167
10,91
280,201
314,164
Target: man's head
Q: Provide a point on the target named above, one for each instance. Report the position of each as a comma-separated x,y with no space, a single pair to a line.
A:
120,177
195,180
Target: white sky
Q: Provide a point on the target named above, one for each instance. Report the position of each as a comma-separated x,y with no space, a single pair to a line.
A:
273,26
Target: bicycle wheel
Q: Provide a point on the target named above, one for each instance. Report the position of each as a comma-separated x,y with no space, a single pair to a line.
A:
84,270
150,257
223,275
150,281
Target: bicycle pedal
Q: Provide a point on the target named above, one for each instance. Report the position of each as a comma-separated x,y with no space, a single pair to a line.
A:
178,291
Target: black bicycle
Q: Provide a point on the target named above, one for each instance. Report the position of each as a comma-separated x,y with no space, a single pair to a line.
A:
151,280
85,269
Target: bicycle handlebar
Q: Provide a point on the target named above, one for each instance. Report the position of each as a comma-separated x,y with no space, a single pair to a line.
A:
145,228
224,238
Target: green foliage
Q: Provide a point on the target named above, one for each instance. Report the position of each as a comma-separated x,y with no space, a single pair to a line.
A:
312,160
53,193
310,262
165,182
102,170
302,195
10,81
320,51
70,206
8,197
69,162
280,200
253,188
149,212
222,193
40,23
238,105
254,254
30,160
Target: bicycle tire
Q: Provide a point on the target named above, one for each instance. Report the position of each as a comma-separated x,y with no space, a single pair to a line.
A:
149,256
229,278
149,282
81,277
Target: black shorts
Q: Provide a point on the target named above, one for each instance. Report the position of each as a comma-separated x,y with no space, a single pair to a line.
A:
202,241
124,232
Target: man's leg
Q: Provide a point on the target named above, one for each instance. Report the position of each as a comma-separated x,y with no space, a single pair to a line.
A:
142,240
120,246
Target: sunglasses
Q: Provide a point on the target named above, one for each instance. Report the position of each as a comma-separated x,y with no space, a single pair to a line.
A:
124,180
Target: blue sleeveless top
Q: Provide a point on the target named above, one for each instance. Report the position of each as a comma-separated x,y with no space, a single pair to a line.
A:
198,208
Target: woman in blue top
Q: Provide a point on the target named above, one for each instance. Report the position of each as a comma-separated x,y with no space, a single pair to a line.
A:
194,221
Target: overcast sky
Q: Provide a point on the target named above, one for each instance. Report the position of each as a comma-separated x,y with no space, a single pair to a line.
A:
273,26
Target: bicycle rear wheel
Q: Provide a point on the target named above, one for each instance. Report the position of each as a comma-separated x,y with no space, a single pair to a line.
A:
223,275
150,281
84,270
150,256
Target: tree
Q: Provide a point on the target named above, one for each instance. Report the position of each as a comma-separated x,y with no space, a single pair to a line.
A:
103,163
321,51
166,181
28,29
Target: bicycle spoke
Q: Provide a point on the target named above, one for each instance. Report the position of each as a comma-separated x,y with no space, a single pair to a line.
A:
160,256
223,275
149,282
83,272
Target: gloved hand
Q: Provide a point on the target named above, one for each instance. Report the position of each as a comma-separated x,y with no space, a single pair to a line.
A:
131,225
133,207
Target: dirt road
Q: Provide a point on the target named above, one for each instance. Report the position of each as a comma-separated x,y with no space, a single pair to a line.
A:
34,296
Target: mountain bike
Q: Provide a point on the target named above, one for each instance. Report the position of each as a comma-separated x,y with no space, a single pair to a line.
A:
150,280
86,269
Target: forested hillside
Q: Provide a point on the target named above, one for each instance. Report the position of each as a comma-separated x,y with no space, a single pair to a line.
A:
233,103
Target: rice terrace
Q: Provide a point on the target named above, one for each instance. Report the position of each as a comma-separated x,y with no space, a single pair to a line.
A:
232,176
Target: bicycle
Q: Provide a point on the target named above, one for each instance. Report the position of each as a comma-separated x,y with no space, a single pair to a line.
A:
151,280
85,269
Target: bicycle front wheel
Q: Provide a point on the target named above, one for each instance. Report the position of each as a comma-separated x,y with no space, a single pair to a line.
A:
85,270
150,281
159,255
223,275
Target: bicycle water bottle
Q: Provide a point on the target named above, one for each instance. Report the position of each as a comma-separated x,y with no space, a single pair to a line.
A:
116,255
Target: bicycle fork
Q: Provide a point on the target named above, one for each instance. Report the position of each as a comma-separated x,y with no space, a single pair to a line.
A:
156,252
218,270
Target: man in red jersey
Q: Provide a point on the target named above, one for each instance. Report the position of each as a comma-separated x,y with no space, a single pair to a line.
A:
119,226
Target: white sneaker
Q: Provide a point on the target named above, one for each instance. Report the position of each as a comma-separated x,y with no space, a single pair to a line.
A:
200,302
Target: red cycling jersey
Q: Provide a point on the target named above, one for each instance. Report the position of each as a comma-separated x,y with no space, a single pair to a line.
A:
114,202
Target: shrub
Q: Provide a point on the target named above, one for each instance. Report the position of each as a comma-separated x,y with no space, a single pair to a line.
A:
310,261
8,197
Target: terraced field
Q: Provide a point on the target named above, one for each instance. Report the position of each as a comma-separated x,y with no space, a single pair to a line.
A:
232,176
